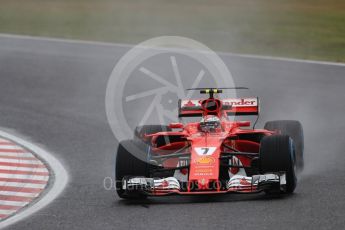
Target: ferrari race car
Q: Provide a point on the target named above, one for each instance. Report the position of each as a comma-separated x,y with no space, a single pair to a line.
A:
212,156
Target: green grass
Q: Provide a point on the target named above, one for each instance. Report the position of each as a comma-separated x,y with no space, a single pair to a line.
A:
307,29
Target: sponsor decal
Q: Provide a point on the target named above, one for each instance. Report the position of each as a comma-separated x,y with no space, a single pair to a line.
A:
204,174
189,104
205,160
202,170
234,102
241,102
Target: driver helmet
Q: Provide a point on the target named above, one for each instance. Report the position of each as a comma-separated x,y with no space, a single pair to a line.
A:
210,122
211,119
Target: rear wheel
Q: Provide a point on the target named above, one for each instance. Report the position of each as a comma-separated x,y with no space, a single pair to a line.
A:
130,164
277,155
293,129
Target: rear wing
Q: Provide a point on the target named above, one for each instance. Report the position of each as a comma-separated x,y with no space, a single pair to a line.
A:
232,106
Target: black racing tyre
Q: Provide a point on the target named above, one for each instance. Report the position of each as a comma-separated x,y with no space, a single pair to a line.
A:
276,155
129,165
141,131
293,129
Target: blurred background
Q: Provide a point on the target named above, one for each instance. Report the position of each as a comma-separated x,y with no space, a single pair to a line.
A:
53,94
308,29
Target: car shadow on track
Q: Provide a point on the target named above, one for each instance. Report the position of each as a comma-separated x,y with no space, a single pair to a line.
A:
203,199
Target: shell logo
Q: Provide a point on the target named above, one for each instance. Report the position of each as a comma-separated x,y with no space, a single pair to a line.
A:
205,160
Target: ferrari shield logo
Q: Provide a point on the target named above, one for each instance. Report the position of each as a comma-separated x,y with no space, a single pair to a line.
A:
205,160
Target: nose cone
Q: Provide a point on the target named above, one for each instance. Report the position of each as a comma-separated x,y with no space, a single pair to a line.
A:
204,168
203,184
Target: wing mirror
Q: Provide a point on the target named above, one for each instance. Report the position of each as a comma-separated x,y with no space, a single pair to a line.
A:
176,126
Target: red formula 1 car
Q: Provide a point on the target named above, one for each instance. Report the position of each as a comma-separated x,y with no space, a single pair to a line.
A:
213,156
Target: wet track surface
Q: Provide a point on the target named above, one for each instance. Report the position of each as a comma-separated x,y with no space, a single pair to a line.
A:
53,93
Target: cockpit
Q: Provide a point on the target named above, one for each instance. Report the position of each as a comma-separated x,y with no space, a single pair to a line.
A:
210,123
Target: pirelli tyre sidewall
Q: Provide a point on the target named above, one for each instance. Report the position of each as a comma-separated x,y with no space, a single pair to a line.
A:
277,155
129,165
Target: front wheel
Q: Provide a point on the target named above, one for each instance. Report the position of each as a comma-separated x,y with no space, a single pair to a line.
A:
277,155
131,160
294,130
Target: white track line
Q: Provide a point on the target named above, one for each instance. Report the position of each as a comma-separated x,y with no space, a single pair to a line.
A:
10,147
64,40
21,176
71,41
23,168
22,185
59,183
15,154
23,194
7,212
20,161
13,203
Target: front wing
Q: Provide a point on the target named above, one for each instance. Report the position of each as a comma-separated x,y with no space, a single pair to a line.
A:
237,184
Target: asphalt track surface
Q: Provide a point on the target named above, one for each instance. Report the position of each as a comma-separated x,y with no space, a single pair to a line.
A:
53,93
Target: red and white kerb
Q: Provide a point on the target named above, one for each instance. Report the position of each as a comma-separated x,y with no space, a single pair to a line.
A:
23,177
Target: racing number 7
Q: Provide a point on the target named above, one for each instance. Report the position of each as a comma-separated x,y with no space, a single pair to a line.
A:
205,150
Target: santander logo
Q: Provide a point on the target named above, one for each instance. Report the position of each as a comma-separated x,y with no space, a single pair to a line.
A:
241,102
235,102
